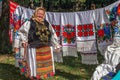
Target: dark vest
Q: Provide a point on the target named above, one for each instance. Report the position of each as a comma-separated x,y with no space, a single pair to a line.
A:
39,35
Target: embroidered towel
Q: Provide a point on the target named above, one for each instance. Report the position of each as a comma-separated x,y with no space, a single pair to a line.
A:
104,30
85,35
68,34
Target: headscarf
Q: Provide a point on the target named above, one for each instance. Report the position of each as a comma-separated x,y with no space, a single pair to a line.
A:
34,17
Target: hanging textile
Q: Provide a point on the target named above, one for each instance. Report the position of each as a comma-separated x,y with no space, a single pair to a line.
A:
85,35
68,34
18,15
0,7
104,30
55,20
112,14
13,7
111,55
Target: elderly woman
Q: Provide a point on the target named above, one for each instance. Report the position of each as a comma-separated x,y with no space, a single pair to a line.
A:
38,37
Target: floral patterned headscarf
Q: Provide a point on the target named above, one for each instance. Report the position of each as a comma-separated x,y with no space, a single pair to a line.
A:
34,17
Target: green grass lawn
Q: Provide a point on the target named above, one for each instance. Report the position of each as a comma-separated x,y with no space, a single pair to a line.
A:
70,69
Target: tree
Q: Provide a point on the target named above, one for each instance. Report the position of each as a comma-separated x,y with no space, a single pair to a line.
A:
5,46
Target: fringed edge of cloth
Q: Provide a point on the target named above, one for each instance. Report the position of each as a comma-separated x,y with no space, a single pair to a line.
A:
69,51
89,58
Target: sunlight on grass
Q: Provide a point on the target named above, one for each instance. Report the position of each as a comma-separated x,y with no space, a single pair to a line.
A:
70,69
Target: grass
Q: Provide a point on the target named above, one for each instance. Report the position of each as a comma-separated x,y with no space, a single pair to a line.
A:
70,69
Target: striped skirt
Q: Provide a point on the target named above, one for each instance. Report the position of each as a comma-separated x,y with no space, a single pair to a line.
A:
39,63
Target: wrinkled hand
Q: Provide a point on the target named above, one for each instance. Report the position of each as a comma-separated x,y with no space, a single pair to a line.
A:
15,50
25,45
57,50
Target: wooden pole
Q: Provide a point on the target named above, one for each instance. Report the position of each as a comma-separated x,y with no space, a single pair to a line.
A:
41,3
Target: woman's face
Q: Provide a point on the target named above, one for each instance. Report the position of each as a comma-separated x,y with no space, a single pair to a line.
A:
40,14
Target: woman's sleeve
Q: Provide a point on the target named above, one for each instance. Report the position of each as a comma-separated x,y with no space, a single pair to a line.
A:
23,32
54,38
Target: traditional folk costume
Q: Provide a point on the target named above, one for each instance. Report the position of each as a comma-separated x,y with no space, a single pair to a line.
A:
39,53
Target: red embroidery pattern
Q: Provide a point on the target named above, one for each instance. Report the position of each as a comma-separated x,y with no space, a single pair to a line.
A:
85,30
101,33
68,34
57,29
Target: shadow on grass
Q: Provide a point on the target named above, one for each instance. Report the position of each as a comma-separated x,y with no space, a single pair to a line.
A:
10,72
72,61
75,63
68,76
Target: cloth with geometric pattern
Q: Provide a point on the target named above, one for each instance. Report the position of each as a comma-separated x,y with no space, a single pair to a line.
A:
85,36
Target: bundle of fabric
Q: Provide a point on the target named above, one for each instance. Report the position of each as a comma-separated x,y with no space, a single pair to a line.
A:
85,35
0,7
55,20
109,76
102,70
68,34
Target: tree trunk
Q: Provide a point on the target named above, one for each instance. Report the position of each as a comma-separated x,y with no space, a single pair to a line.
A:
4,27
41,3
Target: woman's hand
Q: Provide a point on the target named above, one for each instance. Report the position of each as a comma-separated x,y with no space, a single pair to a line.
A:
25,45
57,50
15,50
